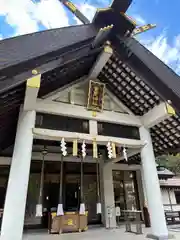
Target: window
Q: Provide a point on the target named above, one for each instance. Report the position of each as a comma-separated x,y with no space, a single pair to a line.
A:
117,130
177,196
63,123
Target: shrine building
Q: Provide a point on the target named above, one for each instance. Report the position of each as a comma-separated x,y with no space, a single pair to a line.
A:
84,111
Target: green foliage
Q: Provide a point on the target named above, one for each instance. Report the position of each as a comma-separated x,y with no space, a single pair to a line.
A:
170,162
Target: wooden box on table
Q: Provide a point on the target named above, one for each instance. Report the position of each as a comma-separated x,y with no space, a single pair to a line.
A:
69,222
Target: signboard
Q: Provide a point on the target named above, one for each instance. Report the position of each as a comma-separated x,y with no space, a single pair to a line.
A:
96,96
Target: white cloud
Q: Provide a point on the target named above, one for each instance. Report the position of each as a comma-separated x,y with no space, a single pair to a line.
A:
168,53
24,15
51,14
1,37
88,11
177,41
140,20
18,15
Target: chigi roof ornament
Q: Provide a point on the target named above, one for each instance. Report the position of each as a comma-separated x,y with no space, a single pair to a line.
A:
117,8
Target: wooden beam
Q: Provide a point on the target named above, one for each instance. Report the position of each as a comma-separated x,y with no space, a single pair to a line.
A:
32,89
47,134
158,114
71,110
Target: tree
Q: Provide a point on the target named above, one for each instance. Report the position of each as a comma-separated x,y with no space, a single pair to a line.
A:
170,162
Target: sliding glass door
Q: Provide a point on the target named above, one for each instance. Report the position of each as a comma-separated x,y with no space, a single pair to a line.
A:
125,191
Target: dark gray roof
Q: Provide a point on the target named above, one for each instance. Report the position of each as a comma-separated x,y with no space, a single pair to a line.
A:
164,173
26,47
64,55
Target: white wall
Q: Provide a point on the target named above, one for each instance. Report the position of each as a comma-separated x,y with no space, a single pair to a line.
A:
78,95
169,198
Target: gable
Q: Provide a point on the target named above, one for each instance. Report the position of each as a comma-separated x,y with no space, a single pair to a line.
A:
78,95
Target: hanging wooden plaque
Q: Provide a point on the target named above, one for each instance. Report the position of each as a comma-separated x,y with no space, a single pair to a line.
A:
96,96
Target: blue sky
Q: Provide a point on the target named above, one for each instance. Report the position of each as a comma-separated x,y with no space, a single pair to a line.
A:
19,17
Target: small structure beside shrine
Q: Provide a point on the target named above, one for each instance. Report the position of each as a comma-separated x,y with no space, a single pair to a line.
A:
171,193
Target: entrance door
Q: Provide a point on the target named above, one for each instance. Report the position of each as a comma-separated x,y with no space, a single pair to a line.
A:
125,192
119,196
71,200
53,195
2,200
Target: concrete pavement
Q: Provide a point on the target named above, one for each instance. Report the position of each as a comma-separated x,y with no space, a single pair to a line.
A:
95,234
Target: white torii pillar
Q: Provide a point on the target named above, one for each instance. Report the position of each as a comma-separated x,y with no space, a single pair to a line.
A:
15,202
152,188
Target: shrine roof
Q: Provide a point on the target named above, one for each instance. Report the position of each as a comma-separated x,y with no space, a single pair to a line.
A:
133,74
164,173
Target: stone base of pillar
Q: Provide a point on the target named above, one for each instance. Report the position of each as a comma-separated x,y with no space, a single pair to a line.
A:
151,236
